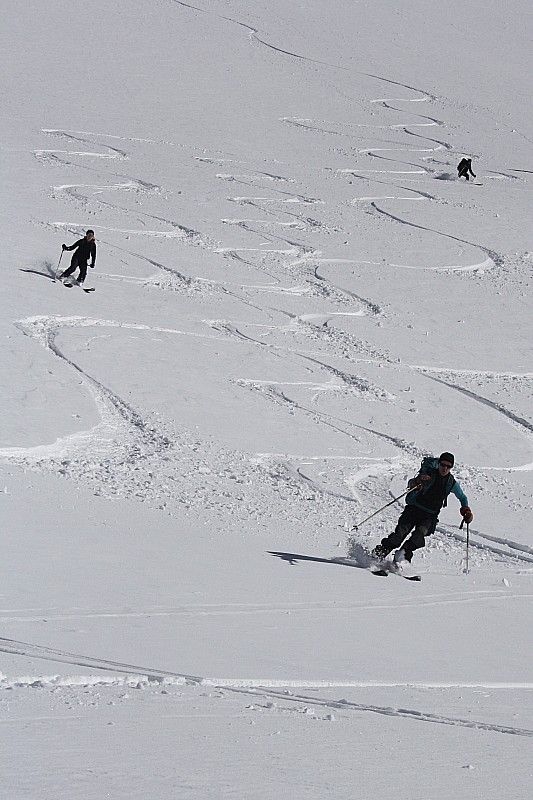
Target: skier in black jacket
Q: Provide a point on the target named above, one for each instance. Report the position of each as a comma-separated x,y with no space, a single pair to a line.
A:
84,249
464,167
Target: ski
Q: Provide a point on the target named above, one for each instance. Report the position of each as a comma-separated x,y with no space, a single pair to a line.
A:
384,573
70,285
362,558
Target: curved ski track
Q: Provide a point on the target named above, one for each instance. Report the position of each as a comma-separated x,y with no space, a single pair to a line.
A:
125,438
288,257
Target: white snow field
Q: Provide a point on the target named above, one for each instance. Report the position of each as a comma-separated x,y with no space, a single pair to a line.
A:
296,300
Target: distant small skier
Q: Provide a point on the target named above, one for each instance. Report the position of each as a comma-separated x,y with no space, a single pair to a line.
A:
432,486
464,167
85,249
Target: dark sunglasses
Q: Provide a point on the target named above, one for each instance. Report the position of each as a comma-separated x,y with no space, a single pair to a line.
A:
445,464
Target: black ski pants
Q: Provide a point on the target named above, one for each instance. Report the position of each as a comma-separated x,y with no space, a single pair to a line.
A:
74,264
423,523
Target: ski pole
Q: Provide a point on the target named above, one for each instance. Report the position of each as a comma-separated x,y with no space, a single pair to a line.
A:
356,527
466,569
58,263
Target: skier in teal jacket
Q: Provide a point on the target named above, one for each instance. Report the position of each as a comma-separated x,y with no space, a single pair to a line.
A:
430,490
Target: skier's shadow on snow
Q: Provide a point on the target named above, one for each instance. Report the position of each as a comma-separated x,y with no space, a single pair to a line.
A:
49,274
294,558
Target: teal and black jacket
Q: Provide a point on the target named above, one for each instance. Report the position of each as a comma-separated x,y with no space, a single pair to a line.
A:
451,486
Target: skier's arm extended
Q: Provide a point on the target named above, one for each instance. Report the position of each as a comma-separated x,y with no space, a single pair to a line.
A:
461,496
72,246
93,254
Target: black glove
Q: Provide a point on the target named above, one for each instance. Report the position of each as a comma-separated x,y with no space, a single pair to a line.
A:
91,266
63,247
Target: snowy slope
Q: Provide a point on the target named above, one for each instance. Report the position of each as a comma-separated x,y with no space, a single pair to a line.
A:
295,301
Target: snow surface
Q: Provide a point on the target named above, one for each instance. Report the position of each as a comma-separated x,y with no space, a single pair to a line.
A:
295,301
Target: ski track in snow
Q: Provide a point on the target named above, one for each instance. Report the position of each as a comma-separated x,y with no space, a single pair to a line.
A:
122,429
267,690
118,419
301,257
369,391
194,237
125,435
298,259
134,676
280,690
32,615
110,452
511,553
260,201
127,455
419,716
